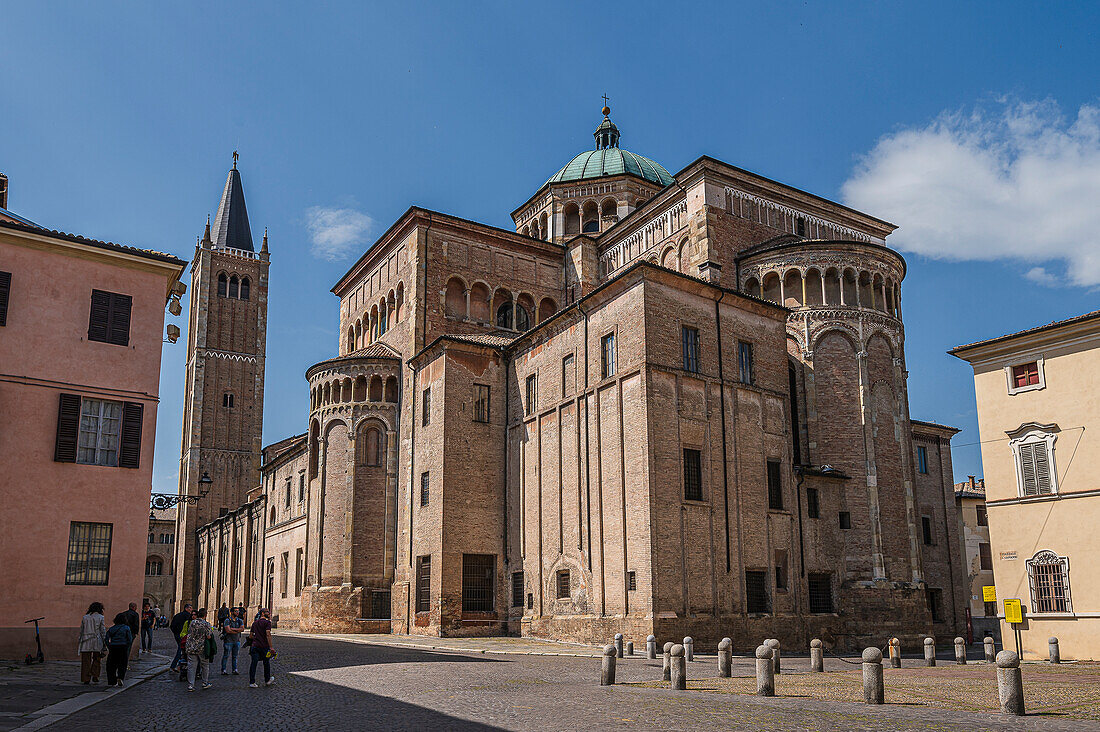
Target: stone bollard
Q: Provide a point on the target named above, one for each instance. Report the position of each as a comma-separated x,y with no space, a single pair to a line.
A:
651,646
1010,684
990,650
679,668
960,651
765,671
873,691
895,652
817,656
689,648
619,645
1052,648
667,676
630,648
607,676
773,643
930,651
725,658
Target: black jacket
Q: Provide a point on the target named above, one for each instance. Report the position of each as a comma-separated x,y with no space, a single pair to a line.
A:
134,621
177,622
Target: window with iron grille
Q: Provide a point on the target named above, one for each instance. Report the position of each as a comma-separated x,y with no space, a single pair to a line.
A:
821,593
756,591
607,355
631,581
89,557
922,459
745,362
424,495
380,605
517,589
775,486
813,505
478,578
689,346
693,475
926,528
532,388
563,584
481,403
424,584
426,408
935,604
845,519
985,555
109,319
1048,576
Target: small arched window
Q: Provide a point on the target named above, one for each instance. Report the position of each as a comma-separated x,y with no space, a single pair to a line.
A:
245,287
504,315
223,285
234,286
153,567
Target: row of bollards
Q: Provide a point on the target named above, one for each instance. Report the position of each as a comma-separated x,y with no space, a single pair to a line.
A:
676,655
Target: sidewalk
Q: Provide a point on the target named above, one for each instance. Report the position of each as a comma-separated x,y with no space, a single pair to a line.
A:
34,696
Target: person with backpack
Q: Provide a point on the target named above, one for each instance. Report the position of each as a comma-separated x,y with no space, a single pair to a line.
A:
93,637
231,639
148,622
179,620
119,638
201,649
260,648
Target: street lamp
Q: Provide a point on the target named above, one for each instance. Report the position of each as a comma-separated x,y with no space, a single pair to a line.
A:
161,501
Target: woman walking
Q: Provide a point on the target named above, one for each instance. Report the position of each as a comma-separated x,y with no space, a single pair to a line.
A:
93,639
119,638
199,631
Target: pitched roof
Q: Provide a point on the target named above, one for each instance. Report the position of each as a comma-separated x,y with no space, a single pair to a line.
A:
276,450
1037,329
76,238
231,230
496,339
6,215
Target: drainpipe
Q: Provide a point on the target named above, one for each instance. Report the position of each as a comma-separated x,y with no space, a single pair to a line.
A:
722,405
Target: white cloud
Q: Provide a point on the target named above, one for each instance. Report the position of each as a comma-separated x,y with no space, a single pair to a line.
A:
336,232
1013,180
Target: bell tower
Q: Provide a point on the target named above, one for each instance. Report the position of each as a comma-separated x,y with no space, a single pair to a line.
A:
224,391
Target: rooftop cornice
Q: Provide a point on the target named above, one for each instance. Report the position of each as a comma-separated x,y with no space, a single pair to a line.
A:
1060,332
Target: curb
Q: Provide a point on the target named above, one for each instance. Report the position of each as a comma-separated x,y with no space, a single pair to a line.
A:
55,713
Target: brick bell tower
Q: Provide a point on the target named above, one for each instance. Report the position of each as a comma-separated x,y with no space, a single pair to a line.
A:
224,392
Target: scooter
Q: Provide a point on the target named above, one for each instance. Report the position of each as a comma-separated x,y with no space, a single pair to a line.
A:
38,640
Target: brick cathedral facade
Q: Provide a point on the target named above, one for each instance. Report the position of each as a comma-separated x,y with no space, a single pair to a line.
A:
663,404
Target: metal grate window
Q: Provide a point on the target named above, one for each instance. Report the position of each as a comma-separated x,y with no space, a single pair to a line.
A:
693,475
607,355
631,581
813,503
424,584
1048,575
689,345
89,558
380,605
563,584
481,403
424,494
532,385
821,593
756,591
775,486
478,578
517,589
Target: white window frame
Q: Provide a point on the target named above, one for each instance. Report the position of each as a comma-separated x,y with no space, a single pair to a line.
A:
106,444
1031,434
1046,557
1013,390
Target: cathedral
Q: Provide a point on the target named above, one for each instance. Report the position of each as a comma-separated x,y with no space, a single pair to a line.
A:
662,404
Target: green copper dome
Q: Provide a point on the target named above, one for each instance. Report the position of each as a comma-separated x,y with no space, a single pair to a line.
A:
608,159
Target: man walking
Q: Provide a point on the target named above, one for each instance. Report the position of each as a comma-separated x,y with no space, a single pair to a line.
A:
176,626
198,658
134,621
231,639
148,621
223,613
261,649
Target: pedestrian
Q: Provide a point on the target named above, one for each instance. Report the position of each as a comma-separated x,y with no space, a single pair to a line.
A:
119,639
223,613
260,648
231,639
148,622
93,639
200,638
176,626
133,619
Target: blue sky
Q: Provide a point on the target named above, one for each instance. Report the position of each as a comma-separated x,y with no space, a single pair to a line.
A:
974,128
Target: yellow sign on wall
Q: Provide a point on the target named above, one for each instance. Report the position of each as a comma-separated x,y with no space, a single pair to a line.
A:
989,593
1014,612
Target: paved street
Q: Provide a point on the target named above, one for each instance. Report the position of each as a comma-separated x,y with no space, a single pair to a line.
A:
341,685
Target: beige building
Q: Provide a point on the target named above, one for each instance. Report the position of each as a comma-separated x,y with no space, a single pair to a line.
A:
1038,396
660,404
982,614
160,560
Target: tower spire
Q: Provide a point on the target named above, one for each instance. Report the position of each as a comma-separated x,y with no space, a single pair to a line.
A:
231,230
263,246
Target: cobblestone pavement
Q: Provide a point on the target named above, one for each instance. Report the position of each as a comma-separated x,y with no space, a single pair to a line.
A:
340,685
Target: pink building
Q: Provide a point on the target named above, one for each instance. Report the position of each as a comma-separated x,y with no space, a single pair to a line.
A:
81,329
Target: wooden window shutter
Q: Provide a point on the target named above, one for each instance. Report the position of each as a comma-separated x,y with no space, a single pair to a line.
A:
5,288
129,445
1027,468
100,316
120,320
1042,469
68,428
